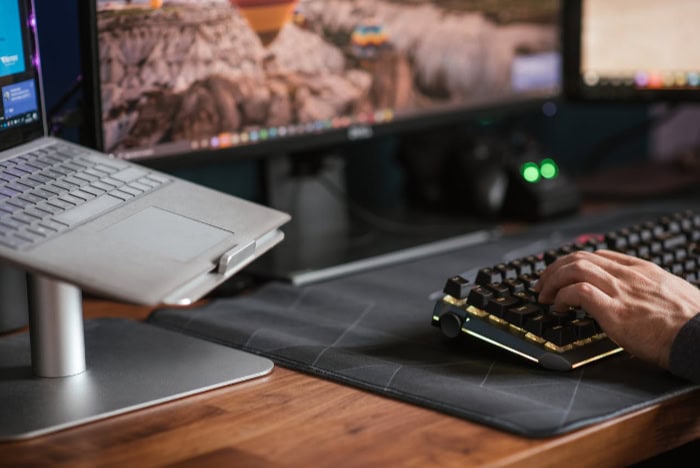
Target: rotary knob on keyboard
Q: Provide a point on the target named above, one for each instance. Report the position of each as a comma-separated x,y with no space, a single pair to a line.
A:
450,324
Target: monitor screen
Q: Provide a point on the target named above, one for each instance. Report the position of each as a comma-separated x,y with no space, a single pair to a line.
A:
240,77
635,49
20,109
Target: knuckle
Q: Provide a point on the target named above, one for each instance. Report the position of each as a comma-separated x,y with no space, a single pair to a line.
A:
583,288
579,256
579,267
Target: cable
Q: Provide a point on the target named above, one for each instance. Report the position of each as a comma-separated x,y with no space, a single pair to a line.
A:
56,120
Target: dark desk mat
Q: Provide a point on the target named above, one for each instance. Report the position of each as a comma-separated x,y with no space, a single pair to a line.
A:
372,330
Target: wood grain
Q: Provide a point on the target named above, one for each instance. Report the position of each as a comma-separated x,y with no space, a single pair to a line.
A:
292,419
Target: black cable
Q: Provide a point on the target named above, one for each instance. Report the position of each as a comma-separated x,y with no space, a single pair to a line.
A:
67,96
55,120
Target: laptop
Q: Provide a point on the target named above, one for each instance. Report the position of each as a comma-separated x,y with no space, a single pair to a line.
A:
111,227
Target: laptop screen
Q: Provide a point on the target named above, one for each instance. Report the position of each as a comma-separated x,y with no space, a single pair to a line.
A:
21,118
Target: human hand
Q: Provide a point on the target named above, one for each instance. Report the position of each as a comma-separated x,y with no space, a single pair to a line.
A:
638,304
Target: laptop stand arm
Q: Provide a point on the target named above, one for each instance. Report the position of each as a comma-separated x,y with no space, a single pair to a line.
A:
55,327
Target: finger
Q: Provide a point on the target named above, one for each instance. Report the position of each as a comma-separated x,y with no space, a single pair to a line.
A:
622,259
611,266
560,262
580,271
599,305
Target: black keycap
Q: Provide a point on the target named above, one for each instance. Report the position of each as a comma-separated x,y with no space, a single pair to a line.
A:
525,296
529,280
680,254
567,249
670,241
498,289
479,296
643,250
669,224
538,323
519,315
667,258
551,256
615,242
499,305
560,335
457,287
585,328
690,265
561,317
506,271
514,285
488,275
521,267
644,232
538,263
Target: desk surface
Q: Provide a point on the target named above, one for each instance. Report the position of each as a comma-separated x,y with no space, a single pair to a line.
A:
292,419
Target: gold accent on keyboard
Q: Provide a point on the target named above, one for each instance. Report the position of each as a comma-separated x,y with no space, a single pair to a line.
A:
532,337
596,357
454,301
498,320
476,311
556,348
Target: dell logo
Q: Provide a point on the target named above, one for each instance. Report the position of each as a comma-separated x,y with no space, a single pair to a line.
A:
359,132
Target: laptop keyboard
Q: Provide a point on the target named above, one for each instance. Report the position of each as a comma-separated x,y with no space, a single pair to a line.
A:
55,188
501,306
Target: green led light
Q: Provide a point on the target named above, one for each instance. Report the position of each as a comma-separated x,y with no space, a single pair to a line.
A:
530,172
548,169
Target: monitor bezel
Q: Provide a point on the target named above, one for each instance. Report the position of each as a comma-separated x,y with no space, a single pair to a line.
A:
573,86
92,134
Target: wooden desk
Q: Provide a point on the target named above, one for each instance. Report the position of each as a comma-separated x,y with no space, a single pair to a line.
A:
293,419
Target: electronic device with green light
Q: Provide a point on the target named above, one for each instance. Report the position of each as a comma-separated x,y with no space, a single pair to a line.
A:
533,172
538,189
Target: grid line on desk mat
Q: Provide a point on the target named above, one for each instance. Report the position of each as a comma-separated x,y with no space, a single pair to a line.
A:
372,330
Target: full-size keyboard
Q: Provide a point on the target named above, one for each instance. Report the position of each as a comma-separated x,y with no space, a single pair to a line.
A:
500,306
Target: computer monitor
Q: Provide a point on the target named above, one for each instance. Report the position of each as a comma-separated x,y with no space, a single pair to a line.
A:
631,50
181,77
187,81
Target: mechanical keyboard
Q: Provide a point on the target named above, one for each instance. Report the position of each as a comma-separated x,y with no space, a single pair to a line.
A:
501,307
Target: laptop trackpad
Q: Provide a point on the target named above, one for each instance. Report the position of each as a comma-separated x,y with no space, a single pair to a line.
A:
165,234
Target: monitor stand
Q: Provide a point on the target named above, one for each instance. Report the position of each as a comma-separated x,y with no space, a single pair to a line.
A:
325,239
64,372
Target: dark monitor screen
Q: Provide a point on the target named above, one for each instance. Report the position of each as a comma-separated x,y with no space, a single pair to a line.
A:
235,77
631,49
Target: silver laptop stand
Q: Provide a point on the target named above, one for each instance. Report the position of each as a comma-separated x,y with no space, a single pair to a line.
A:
66,372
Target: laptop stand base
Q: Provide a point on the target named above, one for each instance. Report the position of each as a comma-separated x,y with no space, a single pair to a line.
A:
129,365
